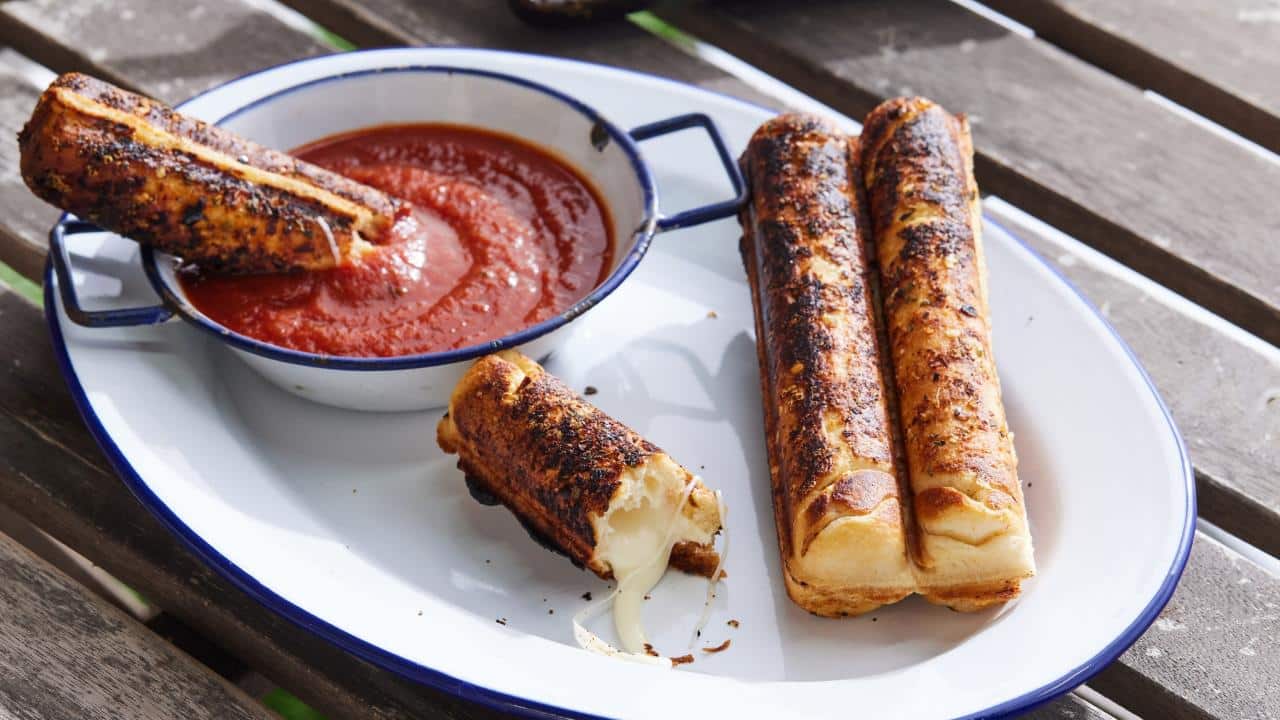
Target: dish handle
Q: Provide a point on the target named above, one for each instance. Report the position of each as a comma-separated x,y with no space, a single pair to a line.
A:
704,213
61,260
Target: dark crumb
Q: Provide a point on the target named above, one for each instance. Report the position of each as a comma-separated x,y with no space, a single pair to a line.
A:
873,619
544,599
698,633
648,597
719,648
353,491
299,388
682,660
590,390
1028,484
648,650
486,562
733,623
1029,319
702,467
712,314
587,596
501,621
551,611
419,613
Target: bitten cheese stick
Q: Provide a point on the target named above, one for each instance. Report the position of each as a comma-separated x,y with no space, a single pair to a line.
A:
579,481
974,547
836,496
138,168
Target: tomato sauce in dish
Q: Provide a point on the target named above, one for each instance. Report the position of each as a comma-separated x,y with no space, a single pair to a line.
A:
500,235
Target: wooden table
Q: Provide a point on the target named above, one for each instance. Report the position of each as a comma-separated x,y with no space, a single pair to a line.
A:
1176,227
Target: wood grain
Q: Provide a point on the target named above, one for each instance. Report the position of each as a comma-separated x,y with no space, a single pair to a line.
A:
1082,149
1217,58
169,49
67,653
1215,650
24,219
488,24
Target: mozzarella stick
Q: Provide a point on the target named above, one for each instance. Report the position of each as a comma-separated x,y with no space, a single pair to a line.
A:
579,481
836,497
973,545
140,169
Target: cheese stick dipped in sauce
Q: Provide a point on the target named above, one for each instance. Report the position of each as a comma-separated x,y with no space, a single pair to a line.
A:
836,489
138,168
581,483
974,546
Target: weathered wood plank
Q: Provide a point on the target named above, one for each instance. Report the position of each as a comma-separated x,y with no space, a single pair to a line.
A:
169,49
482,23
24,219
74,565
65,652
1078,147
1221,384
1217,58
1215,650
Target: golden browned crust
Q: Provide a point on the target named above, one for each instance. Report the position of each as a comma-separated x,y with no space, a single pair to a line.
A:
973,545
139,168
835,487
526,440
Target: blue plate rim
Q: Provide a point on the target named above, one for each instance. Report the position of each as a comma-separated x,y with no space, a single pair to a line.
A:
524,707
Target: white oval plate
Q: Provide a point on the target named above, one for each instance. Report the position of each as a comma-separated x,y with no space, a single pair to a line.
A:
357,527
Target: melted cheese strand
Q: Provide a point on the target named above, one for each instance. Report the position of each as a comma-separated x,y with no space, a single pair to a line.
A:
328,235
591,642
715,576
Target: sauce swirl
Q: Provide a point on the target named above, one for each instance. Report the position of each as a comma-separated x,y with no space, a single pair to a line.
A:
500,235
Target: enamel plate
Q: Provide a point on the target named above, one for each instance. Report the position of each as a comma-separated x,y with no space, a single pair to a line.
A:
357,527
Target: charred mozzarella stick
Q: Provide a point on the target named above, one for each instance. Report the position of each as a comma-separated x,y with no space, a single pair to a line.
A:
974,547
836,489
579,481
138,168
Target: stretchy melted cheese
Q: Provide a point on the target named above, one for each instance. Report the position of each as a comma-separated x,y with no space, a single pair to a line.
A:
581,482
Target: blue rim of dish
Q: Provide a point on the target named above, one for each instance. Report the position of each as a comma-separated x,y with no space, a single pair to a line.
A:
652,223
528,708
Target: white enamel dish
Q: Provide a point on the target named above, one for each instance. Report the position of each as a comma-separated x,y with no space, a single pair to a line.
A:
357,527
608,156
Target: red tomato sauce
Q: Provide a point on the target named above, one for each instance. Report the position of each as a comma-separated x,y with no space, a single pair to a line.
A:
501,235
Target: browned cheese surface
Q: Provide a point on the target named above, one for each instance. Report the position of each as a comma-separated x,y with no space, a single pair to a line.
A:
236,206
826,420
923,204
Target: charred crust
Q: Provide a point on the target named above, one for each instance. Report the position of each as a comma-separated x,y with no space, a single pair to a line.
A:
550,457
806,252
921,194
100,170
